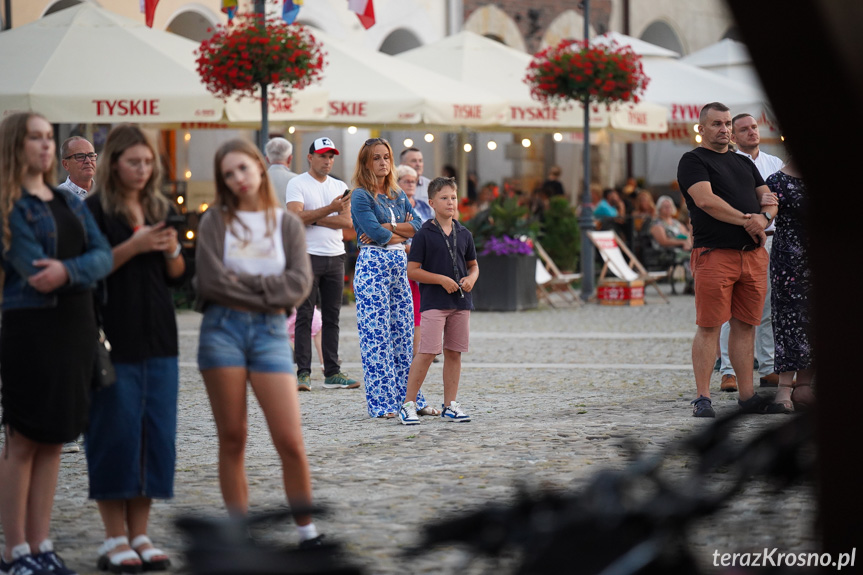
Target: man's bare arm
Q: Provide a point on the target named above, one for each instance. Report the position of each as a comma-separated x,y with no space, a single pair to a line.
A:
309,217
339,222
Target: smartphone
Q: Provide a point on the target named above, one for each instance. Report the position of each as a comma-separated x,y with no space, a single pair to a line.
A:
176,221
346,194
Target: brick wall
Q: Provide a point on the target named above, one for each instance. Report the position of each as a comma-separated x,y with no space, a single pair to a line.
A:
534,17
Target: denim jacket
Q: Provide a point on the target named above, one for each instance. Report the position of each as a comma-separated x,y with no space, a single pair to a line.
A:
368,214
34,237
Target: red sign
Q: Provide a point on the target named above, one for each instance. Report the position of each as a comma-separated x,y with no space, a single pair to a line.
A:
685,112
348,108
281,105
467,112
533,113
127,107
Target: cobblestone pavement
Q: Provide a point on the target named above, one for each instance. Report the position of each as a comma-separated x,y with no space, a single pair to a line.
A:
553,395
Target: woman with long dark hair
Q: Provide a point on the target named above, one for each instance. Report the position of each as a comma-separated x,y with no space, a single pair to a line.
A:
384,220
130,444
252,268
52,255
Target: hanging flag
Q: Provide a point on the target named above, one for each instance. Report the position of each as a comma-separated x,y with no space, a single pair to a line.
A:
229,7
148,9
290,10
365,11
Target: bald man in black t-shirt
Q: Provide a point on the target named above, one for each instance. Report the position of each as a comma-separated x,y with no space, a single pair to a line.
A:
730,206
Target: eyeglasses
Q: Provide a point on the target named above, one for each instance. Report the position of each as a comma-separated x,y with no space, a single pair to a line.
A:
81,157
371,141
407,182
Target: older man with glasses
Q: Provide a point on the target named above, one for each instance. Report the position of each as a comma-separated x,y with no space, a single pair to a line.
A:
79,159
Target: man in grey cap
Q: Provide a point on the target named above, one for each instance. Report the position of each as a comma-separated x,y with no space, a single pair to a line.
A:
280,153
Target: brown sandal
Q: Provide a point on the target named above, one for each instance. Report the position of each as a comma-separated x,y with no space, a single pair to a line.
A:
428,410
783,406
805,403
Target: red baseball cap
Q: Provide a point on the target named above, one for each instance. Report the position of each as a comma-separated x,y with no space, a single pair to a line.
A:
322,145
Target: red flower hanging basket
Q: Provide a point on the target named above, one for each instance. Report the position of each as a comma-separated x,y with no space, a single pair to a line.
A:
576,70
249,53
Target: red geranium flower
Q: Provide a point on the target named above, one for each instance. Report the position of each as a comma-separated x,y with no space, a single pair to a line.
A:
576,70
267,51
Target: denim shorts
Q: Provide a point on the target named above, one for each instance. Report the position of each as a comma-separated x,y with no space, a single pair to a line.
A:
257,341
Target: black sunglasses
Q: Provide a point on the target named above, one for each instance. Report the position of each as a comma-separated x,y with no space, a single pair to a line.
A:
371,141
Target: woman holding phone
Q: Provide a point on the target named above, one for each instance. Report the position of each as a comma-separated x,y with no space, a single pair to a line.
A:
130,444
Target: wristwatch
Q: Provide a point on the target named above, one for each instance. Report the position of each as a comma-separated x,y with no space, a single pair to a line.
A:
768,216
177,251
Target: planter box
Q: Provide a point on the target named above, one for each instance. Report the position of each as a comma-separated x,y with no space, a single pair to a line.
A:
506,283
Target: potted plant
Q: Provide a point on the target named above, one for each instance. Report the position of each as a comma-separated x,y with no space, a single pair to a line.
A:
560,234
505,256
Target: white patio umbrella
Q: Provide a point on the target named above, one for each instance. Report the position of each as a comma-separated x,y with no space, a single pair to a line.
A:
731,59
367,87
86,64
483,62
683,88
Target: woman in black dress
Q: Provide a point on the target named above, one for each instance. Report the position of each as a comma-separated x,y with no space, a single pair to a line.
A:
52,255
792,284
131,440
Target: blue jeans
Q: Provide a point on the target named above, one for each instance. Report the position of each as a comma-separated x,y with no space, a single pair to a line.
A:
232,338
130,444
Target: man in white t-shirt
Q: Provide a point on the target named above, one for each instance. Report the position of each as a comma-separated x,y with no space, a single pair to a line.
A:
320,201
744,133
280,153
414,158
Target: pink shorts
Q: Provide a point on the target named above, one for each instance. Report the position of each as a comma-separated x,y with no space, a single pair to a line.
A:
316,323
444,329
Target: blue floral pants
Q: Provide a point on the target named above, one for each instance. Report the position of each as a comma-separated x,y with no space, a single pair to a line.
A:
386,325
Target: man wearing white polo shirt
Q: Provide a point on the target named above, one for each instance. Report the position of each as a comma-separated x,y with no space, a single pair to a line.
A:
320,201
744,133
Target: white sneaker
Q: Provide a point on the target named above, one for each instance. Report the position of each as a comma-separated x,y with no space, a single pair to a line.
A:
453,412
408,414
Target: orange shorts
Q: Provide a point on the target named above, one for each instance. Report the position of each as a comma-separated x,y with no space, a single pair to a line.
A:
729,283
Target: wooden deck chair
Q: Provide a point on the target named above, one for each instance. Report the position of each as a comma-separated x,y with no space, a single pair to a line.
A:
550,281
620,261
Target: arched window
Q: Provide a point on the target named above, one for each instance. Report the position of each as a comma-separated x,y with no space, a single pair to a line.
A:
193,23
60,5
662,34
493,22
398,41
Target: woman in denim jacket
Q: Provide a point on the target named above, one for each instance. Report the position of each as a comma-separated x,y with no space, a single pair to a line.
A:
52,255
384,220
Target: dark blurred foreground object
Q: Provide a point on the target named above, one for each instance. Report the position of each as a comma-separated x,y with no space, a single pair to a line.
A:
829,72
634,521
226,546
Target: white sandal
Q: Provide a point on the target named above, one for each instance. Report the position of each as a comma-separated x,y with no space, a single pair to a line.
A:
147,554
115,563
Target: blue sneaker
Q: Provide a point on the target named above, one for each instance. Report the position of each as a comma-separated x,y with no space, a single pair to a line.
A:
52,562
408,414
453,412
24,565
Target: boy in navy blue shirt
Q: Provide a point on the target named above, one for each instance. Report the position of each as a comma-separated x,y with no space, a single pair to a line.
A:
443,261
